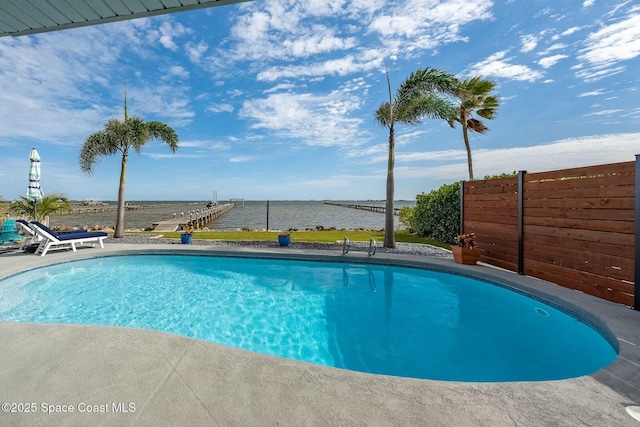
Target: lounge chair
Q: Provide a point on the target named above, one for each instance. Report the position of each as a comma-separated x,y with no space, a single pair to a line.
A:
27,231
8,232
53,240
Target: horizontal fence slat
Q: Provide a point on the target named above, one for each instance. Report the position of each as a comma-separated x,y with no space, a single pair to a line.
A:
580,203
624,227
614,249
510,198
562,193
508,212
588,214
588,182
491,219
585,236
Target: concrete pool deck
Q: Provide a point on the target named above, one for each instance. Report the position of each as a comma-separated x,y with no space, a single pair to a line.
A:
133,377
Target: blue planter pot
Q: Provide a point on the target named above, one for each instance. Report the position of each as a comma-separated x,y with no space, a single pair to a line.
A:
284,240
186,239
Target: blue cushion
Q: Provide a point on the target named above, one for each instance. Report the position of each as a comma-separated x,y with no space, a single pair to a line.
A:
66,235
76,236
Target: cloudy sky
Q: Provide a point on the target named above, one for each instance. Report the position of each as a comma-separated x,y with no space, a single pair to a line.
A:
275,99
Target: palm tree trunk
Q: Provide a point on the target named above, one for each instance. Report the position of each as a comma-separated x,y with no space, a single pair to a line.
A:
119,231
465,135
389,241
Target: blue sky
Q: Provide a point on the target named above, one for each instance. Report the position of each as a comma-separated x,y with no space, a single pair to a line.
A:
275,99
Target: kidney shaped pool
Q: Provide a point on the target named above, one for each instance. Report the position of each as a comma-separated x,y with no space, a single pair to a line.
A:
379,319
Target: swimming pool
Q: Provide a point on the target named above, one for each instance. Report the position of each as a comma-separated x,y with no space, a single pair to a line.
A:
373,318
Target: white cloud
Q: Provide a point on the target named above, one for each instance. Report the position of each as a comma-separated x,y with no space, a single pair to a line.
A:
551,60
241,159
556,46
178,71
592,93
272,30
603,113
570,31
605,49
614,43
196,51
220,108
588,3
341,67
312,119
279,87
498,66
167,32
529,42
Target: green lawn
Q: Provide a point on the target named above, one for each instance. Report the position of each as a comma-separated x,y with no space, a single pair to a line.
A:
305,236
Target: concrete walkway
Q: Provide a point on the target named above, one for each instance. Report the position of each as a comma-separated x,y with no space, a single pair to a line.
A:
130,377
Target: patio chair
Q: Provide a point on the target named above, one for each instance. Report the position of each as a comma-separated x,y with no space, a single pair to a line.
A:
8,232
52,240
27,231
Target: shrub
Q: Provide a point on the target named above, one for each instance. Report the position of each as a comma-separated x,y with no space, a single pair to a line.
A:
407,218
437,214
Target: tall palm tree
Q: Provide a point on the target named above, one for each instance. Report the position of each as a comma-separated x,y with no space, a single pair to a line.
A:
120,136
38,210
474,96
423,94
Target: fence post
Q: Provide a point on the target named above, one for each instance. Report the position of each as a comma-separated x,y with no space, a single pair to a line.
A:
521,222
636,290
461,207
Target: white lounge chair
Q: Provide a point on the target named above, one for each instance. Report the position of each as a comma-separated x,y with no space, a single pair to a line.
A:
52,240
28,232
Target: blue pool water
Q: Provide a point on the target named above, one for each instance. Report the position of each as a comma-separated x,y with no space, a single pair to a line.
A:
371,318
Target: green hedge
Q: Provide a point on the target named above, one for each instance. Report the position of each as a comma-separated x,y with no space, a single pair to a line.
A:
437,214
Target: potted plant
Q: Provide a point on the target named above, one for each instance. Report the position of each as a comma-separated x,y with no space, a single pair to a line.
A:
464,250
284,238
187,236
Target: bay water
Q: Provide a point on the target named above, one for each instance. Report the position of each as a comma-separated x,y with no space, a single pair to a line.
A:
253,215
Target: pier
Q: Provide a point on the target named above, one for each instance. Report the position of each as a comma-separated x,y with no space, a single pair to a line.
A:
196,219
109,208
380,209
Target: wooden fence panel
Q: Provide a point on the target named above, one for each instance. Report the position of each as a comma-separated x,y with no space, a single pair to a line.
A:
578,227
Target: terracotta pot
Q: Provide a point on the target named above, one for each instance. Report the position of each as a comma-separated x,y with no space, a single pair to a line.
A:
465,255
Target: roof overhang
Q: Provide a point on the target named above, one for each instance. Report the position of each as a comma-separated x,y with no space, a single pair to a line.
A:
22,17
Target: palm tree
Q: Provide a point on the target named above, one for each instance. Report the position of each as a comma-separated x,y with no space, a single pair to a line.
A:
473,95
38,210
120,136
422,94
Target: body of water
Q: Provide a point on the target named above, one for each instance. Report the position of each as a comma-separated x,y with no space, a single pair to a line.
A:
282,215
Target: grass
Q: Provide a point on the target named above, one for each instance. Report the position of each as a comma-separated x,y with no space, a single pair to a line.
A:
325,236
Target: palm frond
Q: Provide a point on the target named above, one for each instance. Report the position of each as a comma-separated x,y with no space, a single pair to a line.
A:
164,133
383,114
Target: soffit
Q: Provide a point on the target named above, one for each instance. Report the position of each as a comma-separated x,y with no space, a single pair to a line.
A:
22,17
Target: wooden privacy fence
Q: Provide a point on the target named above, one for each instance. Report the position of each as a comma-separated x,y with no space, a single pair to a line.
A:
573,227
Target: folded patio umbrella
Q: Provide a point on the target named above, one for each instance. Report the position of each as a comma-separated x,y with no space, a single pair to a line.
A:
34,192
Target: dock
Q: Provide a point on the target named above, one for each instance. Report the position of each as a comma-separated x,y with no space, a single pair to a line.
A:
109,208
380,209
196,219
